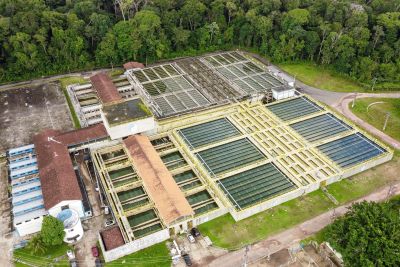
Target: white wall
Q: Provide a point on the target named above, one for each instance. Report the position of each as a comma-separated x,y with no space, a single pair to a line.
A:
134,246
73,204
270,203
77,229
130,128
210,216
278,95
27,228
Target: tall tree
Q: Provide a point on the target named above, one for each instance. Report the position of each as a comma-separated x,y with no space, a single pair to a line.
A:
368,235
52,232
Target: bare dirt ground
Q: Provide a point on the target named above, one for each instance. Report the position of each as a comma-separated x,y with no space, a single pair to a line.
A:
305,257
27,110
199,252
6,239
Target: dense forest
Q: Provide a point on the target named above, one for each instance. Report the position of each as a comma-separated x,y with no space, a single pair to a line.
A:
359,38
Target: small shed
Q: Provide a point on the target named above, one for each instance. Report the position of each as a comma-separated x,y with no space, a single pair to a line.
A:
283,92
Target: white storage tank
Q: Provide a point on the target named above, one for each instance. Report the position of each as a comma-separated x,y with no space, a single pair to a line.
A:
72,225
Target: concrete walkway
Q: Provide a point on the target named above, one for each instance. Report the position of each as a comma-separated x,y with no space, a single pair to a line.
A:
292,236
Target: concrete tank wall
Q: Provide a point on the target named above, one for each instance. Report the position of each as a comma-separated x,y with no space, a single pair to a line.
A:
134,246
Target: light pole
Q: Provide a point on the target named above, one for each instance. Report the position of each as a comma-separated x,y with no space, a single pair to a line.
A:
386,120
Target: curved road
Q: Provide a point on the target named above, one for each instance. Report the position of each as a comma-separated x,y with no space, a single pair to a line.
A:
340,102
343,107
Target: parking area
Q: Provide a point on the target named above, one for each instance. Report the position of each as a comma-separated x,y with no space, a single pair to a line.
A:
93,225
25,111
200,252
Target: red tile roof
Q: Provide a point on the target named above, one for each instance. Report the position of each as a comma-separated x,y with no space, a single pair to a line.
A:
56,172
112,238
90,133
105,88
133,65
158,181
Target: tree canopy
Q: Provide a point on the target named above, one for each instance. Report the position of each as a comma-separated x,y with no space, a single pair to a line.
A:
52,232
368,235
358,38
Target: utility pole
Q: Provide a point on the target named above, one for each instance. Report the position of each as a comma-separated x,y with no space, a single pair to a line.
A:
373,84
386,120
354,100
390,192
245,256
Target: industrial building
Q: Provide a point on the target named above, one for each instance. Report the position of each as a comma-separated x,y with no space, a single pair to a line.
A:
44,181
200,137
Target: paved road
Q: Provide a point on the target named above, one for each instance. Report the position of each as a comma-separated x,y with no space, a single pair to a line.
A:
341,101
50,79
343,107
295,234
327,97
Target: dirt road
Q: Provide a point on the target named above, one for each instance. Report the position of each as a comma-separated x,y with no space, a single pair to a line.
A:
6,238
295,234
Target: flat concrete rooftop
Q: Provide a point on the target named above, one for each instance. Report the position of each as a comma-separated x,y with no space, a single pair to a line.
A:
126,111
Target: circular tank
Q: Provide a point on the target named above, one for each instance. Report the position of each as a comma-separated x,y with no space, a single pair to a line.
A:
72,225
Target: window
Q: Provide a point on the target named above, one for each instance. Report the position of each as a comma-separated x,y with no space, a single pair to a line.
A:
65,207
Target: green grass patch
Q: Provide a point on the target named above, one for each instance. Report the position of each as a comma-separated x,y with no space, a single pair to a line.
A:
55,255
156,255
64,83
377,113
116,72
366,182
321,77
226,233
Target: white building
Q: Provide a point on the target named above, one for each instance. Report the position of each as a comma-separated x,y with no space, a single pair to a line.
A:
43,179
72,225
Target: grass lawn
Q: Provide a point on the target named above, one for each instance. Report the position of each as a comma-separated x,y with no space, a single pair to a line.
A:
319,77
377,113
157,255
53,255
367,182
227,233
116,72
64,83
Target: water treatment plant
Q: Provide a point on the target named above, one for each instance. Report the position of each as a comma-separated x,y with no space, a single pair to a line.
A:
177,144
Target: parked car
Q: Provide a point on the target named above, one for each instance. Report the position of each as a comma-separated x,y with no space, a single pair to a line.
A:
70,254
187,259
73,263
106,210
98,263
195,232
109,222
191,238
95,251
